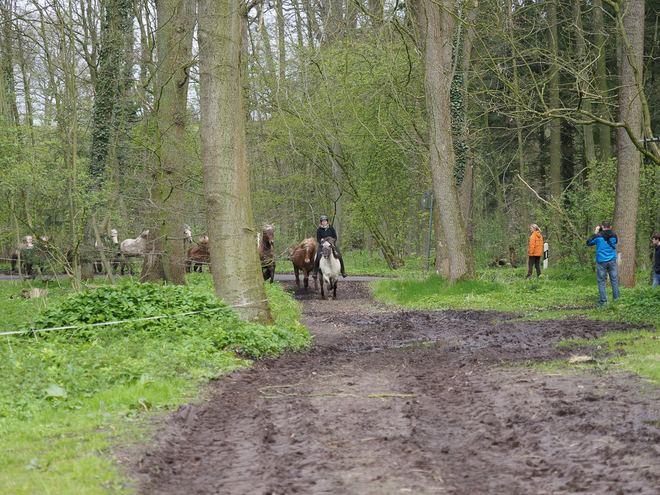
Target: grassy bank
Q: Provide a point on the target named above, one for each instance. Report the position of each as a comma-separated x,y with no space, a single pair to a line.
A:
558,294
70,398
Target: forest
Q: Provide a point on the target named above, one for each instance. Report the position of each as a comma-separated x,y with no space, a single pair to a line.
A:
172,136
511,112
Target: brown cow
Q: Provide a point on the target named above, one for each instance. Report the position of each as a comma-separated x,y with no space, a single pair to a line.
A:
302,257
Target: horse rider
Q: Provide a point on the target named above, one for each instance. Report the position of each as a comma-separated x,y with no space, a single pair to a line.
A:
326,230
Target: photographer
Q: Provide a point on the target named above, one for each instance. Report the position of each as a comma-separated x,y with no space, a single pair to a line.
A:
605,241
655,239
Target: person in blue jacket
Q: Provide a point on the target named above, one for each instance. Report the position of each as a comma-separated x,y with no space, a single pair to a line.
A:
605,241
655,239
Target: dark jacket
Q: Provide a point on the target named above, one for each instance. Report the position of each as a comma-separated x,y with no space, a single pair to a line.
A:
656,267
605,242
328,231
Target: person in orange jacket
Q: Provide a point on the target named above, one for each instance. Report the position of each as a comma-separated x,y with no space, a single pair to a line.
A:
535,250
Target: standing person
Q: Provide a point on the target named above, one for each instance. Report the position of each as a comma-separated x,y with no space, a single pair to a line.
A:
326,230
535,250
655,239
605,241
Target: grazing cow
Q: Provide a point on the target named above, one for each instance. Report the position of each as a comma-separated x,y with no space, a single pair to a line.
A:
132,248
330,266
302,257
267,252
199,254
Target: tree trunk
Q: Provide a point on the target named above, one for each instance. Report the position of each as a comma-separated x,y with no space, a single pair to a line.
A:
441,254
281,42
604,137
588,131
554,176
438,66
174,46
629,158
109,89
237,273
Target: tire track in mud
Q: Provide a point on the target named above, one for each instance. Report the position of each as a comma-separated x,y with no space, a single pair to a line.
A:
393,401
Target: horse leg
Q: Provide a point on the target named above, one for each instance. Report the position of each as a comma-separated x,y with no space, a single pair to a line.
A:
334,290
321,282
296,273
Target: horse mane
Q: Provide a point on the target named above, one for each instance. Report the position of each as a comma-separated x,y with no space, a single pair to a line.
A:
309,243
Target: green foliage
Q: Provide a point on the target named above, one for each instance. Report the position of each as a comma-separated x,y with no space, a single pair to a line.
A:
85,360
641,306
67,394
348,136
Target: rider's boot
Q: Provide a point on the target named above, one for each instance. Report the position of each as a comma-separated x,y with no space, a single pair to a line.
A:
343,272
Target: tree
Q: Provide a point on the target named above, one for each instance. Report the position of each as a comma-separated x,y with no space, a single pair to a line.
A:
110,89
439,35
628,157
174,46
236,268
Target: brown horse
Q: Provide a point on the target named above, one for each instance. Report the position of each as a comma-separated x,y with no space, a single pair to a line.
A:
199,254
267,252
302,257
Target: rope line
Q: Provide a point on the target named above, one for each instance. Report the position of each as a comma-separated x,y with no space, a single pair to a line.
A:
84,325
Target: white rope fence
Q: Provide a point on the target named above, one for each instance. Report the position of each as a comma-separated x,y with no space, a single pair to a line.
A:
85,325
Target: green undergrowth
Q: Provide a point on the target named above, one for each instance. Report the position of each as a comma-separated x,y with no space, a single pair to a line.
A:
70,397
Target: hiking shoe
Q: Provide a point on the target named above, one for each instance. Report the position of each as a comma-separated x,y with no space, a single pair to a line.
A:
315,275
343,274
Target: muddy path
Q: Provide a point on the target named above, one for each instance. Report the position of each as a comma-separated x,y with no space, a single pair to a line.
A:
393,401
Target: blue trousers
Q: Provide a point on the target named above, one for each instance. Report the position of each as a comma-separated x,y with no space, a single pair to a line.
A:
656,279
602,270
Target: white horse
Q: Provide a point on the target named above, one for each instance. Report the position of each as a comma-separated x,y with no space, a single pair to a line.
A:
132,248
330,266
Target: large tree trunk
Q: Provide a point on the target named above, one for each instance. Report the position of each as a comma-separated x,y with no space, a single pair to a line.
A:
236,268
604,130
174,46
554,176
588,131
109,90
438,65
629,158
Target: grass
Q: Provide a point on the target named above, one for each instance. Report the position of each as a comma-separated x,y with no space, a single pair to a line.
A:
68,404
501,290
557,294
362,262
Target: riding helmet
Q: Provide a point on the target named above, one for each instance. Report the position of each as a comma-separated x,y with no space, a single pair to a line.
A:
324,217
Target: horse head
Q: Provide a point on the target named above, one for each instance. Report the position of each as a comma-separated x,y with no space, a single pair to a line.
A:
268,236
328,244
187,233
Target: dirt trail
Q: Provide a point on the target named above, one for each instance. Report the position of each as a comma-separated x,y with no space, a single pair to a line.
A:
392,401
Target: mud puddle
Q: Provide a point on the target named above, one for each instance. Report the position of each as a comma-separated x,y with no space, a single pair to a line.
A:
394,401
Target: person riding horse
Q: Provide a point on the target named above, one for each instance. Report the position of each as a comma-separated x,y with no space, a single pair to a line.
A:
326,230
